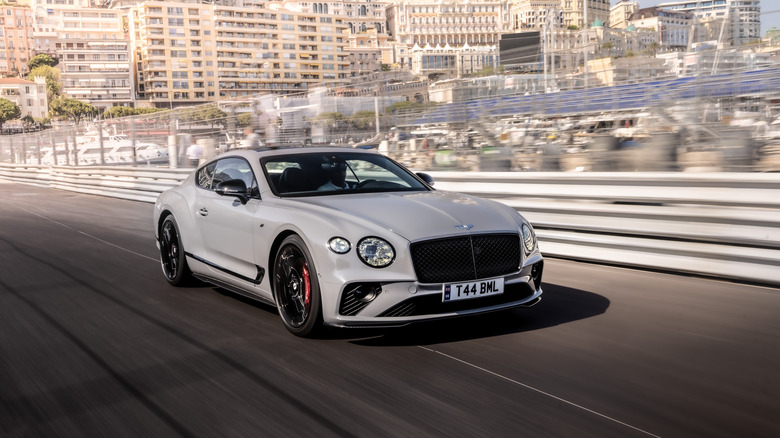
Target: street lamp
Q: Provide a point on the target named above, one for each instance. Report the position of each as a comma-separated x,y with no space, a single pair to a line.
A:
586,39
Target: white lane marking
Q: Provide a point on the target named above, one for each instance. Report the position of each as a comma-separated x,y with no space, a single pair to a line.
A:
86,234
538,390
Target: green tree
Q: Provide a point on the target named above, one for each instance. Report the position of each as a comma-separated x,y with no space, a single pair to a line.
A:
206,114
42,122
52,76
328,119
362,119
407,107
125,111
71,109
652,49
118,111
41,60
28,123
147,110
8,111
244,119
608,46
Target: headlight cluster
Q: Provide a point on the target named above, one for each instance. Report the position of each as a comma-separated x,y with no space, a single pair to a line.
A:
529,239
373,251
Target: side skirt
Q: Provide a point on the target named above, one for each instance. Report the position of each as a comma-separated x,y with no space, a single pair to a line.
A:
257,280
234,289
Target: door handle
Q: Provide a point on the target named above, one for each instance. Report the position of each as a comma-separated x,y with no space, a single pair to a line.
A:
203,212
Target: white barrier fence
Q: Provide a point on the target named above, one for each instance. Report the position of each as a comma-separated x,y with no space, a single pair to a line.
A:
723,225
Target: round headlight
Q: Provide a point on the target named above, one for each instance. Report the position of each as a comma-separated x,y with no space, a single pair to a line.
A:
375,252
339,245
529,240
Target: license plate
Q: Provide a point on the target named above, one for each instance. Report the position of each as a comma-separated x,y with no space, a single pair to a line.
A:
472,289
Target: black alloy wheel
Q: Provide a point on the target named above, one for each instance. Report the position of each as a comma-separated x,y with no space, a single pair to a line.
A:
172,258
296,288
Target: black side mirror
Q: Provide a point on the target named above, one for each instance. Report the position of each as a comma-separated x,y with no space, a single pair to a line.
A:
425,177
233,187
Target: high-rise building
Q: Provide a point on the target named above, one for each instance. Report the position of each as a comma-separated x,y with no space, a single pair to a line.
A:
367,32
190,53
739,20
92,47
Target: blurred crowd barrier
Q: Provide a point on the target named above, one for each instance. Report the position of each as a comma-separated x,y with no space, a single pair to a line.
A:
726,122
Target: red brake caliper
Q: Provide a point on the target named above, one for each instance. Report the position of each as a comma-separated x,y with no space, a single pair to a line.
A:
306,286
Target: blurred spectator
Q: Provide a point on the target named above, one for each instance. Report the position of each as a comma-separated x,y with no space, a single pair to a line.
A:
252,139
194,154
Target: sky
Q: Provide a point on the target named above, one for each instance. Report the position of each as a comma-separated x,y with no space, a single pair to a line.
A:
769,18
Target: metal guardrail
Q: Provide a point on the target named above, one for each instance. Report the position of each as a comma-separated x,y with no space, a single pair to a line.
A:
134,183
723,225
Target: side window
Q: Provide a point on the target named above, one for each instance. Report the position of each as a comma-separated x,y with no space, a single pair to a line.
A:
204,176
235,168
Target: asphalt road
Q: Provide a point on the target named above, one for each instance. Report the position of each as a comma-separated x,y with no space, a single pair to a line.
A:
93,342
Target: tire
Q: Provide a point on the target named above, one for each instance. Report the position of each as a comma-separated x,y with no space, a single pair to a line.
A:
172,258
296,289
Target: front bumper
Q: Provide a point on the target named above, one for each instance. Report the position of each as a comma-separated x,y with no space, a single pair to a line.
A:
392,304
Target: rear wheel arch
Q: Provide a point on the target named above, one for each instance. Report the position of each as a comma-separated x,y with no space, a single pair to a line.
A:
173,258
161,219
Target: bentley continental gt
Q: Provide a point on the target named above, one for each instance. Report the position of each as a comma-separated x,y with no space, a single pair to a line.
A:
344,237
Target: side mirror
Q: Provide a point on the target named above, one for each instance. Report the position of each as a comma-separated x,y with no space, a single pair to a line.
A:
425,177
233,187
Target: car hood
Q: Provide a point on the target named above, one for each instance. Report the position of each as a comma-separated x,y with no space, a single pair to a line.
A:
423,215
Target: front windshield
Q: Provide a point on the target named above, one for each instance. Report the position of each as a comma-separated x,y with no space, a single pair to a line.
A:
330,173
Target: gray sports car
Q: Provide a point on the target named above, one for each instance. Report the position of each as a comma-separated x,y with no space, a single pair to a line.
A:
344,237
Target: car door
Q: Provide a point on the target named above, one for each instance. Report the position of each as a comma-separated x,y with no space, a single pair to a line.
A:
226,224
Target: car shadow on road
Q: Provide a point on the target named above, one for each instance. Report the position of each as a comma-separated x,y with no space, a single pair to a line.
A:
559,305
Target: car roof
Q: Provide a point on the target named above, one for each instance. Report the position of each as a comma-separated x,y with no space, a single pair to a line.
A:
255,153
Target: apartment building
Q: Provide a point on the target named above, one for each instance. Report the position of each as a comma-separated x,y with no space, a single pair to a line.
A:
620,13
29,96
424,22
365,53
574,12
16,39
92,47
740,19
452,62
536,14
367,31
358,15
673,27
45,22
191,53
